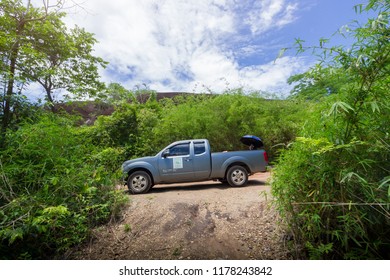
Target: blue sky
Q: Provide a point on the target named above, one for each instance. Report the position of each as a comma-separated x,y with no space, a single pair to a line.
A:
216,45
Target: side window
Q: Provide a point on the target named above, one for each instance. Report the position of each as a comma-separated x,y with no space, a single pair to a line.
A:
180,150
199,147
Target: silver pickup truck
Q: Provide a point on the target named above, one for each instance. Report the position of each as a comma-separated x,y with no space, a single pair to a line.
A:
192,160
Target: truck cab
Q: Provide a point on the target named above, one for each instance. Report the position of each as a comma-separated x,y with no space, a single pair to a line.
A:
185,161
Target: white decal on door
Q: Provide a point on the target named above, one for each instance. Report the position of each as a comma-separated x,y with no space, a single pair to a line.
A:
177,163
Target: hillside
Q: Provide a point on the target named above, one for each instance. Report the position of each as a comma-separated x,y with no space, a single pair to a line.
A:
90,110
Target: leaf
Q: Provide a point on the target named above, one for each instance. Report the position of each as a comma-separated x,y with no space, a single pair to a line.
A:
311,193
54,181
299,44
358,8
15,234
386,182
375,107
281,53
56,210
340,106
350,175
323,41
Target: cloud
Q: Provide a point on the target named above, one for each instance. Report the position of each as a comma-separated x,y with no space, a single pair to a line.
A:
273,75
269,77
179,45
269,15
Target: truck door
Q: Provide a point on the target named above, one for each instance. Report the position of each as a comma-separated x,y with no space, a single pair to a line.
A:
202,161
176,164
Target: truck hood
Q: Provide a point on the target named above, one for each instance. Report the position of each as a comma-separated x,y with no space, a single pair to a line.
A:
127,162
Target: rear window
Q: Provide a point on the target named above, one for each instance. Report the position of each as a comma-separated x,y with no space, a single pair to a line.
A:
199,147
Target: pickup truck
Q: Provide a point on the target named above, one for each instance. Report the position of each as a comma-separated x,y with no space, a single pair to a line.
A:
192,160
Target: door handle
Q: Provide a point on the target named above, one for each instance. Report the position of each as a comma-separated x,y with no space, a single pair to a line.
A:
187,159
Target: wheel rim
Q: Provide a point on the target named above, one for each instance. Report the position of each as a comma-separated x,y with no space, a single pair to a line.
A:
238,177
139,182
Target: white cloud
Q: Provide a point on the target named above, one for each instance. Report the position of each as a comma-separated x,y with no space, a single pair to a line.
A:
270,14
179,45
270,77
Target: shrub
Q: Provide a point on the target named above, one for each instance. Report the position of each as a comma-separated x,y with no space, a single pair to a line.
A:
331,196
332,186
55,187
223,119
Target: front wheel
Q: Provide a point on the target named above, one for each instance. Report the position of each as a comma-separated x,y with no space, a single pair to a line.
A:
237,176
139,182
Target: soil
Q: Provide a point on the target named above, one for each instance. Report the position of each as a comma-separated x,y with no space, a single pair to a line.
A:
207,220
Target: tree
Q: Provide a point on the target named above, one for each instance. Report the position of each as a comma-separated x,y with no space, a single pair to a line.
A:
35,46
318,83
116,94
14,18
63,60
332,186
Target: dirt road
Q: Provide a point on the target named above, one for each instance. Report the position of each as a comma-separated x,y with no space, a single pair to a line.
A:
207,220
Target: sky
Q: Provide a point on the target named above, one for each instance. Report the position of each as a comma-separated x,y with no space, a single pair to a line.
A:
208,45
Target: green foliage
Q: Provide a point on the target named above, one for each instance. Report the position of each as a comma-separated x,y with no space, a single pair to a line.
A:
55,185
337,199
331,186
149,118
57,177
127,228
119,129
317,253
223,119
115,94
142,129
36,46
318,83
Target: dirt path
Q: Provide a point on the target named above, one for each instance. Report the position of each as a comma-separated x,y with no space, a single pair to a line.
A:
207,220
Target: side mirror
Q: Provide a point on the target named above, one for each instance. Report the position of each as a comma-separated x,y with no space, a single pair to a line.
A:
165,153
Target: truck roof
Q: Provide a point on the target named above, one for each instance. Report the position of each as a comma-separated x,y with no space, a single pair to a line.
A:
190,140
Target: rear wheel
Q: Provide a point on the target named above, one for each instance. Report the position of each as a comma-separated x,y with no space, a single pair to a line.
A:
237,176
139,182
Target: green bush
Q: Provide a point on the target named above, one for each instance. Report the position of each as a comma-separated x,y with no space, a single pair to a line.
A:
223,119
332,186
55,186
117,130
331,195
144,129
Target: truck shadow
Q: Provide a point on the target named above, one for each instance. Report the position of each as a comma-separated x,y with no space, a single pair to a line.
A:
201,186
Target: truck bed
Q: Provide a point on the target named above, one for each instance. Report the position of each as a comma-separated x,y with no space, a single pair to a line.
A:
253,159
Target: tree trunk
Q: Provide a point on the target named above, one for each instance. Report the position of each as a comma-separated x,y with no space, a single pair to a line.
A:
50,99
10,88
11,80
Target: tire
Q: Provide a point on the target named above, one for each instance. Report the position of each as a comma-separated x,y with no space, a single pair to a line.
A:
139,182
237,176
